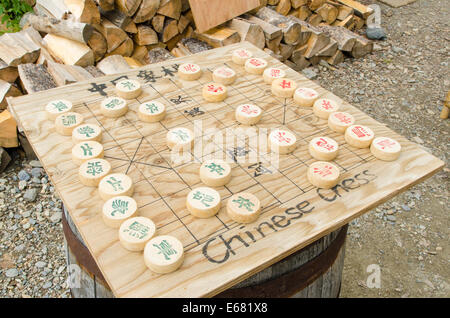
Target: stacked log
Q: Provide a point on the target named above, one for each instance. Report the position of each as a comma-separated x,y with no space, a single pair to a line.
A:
65,41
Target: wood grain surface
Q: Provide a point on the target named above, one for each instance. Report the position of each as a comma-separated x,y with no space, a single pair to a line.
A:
219,252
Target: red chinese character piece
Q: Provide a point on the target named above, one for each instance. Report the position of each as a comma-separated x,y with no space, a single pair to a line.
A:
327,104
242,53
256,62
190,68
386,143
342,118
212,88
323,171
247,109
275,72
324,144
224,72
285,84
360,132
281,137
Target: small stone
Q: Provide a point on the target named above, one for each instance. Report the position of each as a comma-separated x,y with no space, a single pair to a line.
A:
406,207
22,185
47,285
420,258
398,50
23,175
438,248
40,264
12,272
35,164
391,218
309,73
36,180
36,172
30,195
56,217
417,140
375,33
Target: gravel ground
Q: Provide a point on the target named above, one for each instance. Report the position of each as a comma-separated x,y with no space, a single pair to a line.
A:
402,84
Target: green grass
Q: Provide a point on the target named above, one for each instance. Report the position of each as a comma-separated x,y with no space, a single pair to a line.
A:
10,12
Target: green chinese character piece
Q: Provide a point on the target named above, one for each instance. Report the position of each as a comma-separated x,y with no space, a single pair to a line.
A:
116,184
119,206
181,135
86,130
137,230
94,168
246,203
68,120
60,106
128,85
203,198
87,150
152,108
165,249
213,167
113,103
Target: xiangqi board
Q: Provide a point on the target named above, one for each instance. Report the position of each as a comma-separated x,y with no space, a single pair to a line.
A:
218,252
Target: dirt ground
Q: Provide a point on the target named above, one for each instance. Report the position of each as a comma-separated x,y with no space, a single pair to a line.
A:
402,84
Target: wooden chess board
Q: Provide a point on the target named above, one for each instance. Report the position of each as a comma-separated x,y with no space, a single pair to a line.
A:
218,252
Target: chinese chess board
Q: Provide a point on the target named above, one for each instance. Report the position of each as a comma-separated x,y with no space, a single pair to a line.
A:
218,252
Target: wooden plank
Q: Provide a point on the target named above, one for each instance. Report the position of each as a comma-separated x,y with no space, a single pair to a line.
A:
68,51
8,130
223,11
359,8
35,78
295,214
7,90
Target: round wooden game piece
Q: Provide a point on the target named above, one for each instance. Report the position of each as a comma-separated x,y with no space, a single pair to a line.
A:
340,121
118,209
283,87
305,96
151,111
272,73
57,107
385,148
282,141
113,107
248,114
214,92
215,172
239,56
255,65
93,170
180,138
135,232
66,123
115,184
323,148
224,75
323,107
189,71
163,254
359,136
85,151
203,202
323,174
128,89
243,207
87,132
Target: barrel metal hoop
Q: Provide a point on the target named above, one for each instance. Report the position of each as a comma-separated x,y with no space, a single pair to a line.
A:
293,282
81,252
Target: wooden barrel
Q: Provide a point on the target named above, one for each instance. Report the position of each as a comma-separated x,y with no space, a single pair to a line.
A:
312,272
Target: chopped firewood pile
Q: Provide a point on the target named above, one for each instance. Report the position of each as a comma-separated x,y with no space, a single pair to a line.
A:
65,41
